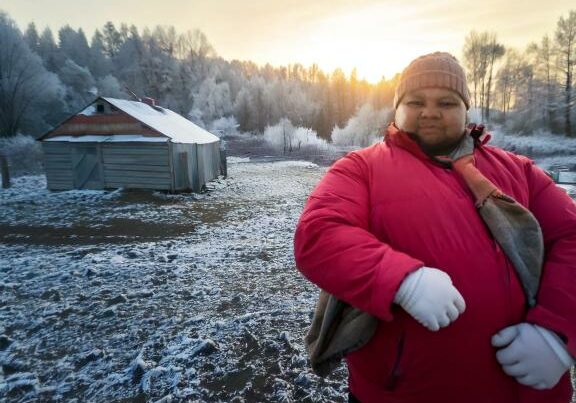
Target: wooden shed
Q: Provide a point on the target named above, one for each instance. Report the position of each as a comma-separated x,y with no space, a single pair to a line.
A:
115,143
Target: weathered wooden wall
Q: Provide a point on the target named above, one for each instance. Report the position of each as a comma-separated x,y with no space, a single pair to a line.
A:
137,165
159,166
58,165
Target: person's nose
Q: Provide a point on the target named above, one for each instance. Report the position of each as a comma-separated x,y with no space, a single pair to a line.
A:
430,112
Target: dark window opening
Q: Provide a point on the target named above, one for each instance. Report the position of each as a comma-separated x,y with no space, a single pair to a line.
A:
100,108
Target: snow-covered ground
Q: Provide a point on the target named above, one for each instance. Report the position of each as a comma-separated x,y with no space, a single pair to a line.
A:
127,296
113,295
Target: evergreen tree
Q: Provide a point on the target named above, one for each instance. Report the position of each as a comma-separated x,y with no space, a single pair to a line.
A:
32,38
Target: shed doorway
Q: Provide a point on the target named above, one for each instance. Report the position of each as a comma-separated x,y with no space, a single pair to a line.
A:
86,167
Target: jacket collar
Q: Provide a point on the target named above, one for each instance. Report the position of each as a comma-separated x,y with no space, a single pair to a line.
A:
474,137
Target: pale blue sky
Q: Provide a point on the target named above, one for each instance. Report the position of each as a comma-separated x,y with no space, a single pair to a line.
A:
377,37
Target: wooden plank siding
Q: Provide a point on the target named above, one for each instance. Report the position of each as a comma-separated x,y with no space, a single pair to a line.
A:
121,173
208,156
136,165
57,159
58,166
162,166
137,152
133,167
135,160
185,167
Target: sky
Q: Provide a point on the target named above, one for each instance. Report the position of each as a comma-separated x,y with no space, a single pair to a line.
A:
377,37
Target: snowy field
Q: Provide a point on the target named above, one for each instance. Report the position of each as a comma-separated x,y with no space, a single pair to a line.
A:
113,296
132,297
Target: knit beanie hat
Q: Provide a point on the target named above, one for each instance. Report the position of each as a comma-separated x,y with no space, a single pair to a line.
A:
439,69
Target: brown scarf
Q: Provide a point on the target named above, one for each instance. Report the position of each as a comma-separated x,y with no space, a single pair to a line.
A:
512,225
338,328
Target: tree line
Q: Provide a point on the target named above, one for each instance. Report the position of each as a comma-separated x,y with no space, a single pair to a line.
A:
529,89
45,77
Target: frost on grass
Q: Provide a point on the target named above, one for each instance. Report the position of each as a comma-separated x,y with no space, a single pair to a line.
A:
106,296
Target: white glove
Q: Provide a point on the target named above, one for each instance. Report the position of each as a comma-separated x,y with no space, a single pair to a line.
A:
533,355
429,297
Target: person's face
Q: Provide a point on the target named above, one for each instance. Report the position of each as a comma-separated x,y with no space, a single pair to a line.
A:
436,117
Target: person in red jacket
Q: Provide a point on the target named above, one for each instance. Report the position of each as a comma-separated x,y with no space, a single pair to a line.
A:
392,231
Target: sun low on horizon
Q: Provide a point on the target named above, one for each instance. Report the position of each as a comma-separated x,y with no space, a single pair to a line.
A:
370,39
376,37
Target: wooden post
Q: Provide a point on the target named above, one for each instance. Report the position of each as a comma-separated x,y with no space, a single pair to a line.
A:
223,164
5,171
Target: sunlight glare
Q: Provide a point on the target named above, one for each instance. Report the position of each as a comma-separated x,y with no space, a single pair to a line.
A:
395,37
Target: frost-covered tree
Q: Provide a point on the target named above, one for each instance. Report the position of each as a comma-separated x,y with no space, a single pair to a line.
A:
193,44
324,120
80,85
100,65
128,62
495,51
243,110
518,92
297,105
32,38
566,43
363,129
252,106
109,86
481,52
25,85
287,138
49,52
166,39
213,100
112,40
506,83
544,61
339,96
158,69
74,46
224,126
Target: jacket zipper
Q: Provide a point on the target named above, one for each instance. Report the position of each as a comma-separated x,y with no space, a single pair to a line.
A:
395,373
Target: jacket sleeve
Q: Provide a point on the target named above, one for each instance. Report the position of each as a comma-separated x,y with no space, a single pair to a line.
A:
556,301
335,249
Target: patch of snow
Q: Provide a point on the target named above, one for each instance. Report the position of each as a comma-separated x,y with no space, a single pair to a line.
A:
237,160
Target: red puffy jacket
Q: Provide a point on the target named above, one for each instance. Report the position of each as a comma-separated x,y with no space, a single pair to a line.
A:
383,212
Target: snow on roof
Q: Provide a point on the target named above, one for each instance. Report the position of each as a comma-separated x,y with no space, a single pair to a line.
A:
116,138
170,124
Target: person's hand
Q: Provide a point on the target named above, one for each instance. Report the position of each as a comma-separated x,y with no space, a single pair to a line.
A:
429,297
533,355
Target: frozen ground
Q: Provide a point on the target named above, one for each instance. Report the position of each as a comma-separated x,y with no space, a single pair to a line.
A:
113,296
133,297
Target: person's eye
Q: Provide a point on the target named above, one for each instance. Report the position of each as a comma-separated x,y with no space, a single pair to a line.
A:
447,104
414,103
